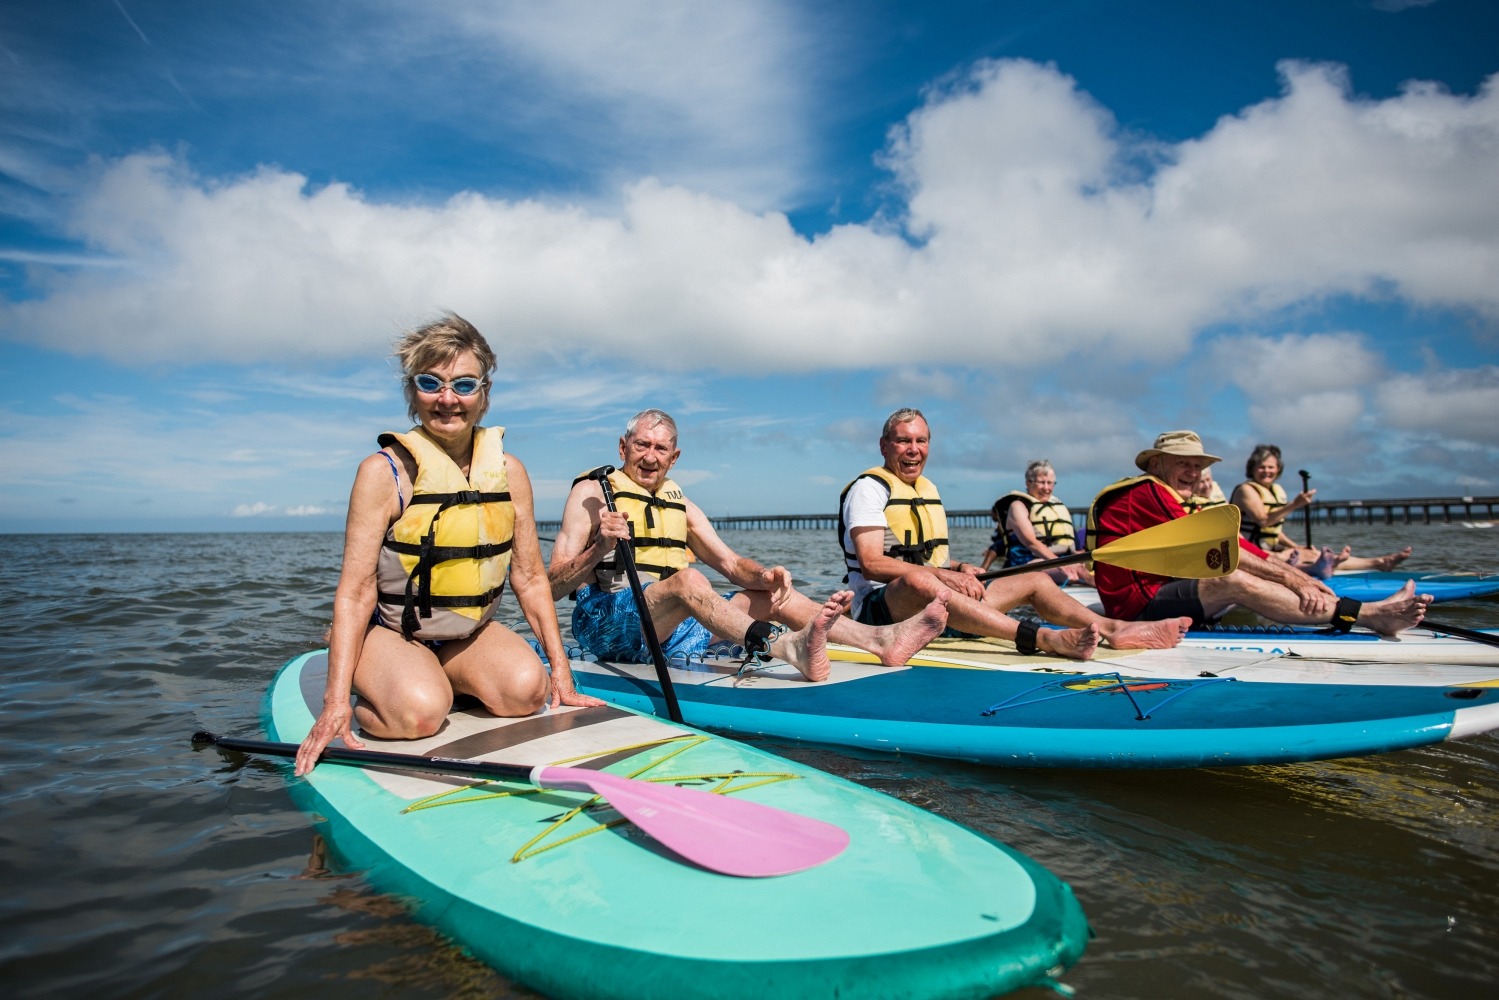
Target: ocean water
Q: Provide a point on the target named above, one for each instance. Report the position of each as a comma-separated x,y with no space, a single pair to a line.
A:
137,867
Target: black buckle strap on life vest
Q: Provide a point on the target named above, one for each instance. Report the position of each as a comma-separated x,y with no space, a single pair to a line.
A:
453,600
650,502
1345,615
409,622
461,497
636,544
609,562
660,572
916,553
418,601
447,553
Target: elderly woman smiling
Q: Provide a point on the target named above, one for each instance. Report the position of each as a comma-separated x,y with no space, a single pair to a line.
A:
438,519
1264,507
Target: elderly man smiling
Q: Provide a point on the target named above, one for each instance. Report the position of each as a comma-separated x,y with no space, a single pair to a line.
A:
1266,586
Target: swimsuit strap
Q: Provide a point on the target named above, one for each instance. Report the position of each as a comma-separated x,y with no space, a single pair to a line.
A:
392,463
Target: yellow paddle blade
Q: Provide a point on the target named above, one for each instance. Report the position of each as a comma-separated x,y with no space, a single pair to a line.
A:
1195,547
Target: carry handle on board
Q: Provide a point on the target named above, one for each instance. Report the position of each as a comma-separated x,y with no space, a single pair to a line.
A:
625,556
1195,547
718,832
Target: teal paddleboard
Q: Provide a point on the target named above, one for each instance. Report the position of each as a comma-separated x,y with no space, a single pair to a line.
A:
572,906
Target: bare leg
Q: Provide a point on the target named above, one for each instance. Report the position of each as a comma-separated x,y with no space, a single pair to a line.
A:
1401,610
807,650
1055,605
893,644
1381,564
908,595
499,668
403,692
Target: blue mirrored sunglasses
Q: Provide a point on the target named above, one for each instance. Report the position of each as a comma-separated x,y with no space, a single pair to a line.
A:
465,385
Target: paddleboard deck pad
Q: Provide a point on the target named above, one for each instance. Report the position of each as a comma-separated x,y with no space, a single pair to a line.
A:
1059,713
553,895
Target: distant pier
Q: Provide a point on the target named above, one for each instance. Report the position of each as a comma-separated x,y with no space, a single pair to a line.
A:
1411,510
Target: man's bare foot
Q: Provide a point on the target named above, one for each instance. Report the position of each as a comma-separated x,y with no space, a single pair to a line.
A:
1386,563
1401,610
1073,643
1163,634
807,650
1325,564
895,644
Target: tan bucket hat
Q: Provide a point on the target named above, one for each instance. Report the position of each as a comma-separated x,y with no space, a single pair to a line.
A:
1175,443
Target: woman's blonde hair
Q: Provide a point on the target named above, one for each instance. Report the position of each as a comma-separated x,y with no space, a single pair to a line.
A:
437,343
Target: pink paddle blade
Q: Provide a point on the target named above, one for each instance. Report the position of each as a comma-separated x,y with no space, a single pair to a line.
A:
717,832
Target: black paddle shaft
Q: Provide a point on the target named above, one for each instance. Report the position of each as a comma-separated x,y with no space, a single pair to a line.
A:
1305,479
371,758
1037,564
1458,632
624,554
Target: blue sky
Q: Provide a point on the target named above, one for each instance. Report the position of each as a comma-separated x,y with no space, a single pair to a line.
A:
1056,227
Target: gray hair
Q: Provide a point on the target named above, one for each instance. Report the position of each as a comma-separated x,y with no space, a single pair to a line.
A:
1260,453
901,416
1037,467
437,343
646,419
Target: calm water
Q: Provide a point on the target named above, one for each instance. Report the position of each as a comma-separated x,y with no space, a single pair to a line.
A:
135,867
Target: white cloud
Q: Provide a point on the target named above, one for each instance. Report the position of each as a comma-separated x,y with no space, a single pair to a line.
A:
110,452
1037,224
309,510
1453,405
711,96
1292,365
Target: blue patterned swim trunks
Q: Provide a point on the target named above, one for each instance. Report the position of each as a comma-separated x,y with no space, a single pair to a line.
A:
608,626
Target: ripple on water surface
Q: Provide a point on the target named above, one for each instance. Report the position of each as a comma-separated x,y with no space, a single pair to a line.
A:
136,866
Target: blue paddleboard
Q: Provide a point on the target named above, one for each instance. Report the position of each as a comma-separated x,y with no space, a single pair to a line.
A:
1082,715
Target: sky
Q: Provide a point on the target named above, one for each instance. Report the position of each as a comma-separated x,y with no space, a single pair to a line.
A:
1057,227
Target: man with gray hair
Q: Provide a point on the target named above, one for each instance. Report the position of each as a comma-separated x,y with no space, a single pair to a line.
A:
663,526
893,532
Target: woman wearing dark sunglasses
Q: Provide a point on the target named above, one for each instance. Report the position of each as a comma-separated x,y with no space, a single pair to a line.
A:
437,520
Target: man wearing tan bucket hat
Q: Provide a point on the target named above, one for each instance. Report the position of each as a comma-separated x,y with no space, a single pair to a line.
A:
1265,586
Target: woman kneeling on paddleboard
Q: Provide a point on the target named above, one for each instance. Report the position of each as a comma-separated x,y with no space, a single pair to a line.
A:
438,518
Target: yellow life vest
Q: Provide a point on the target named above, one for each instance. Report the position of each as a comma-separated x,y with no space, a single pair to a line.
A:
1274,498
1051,521
658,531
915,522
442,568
